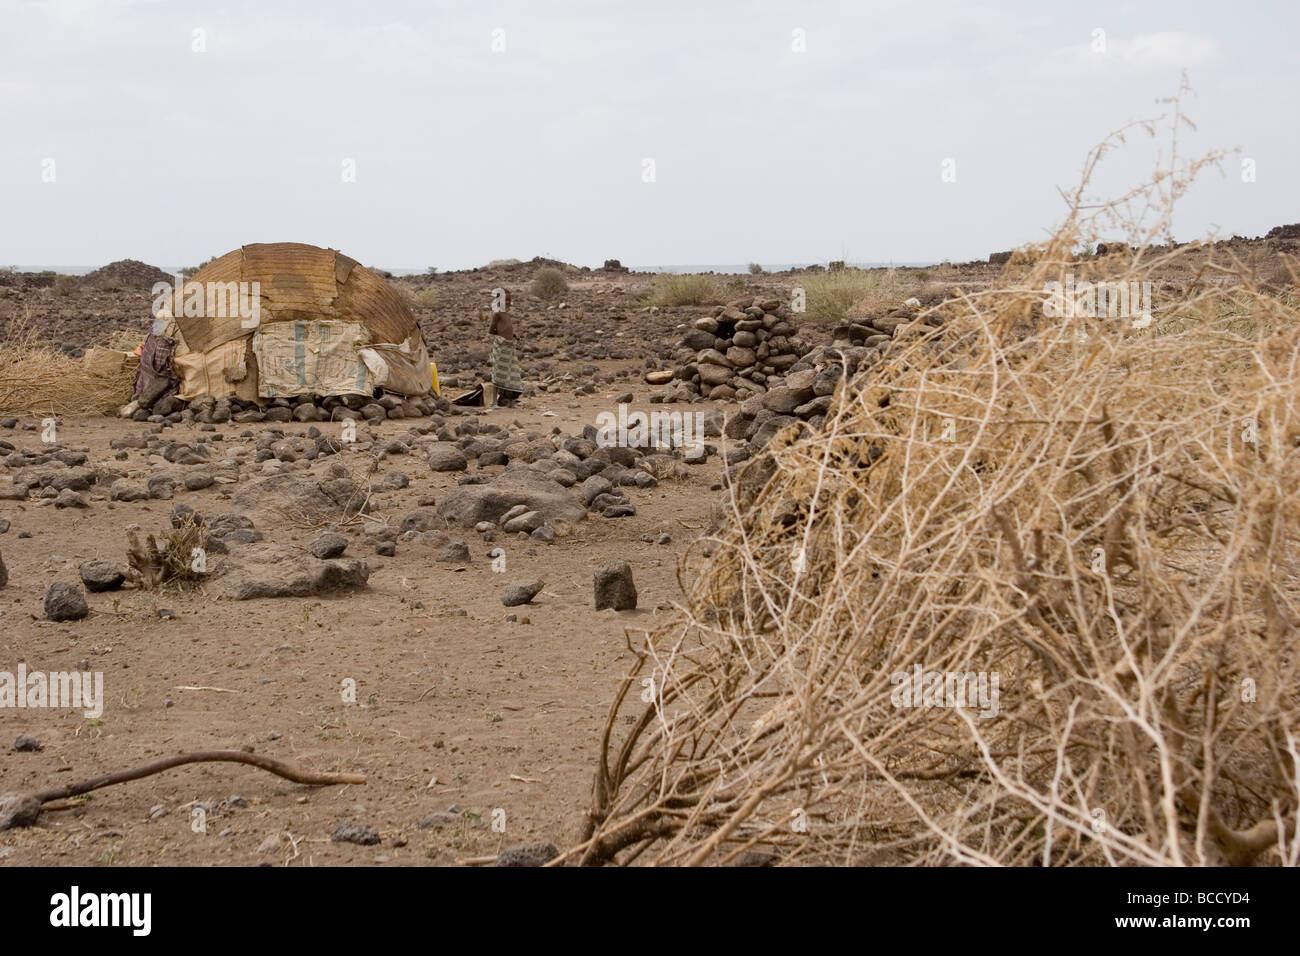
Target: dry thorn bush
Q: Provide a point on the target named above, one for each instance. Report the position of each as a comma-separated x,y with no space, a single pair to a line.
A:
1104,517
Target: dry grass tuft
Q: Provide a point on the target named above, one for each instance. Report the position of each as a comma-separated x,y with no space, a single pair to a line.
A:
37,378
671,289
151,564
549,283
1103,517
831,296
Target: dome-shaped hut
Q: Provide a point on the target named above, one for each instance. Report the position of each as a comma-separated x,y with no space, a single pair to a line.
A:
283,319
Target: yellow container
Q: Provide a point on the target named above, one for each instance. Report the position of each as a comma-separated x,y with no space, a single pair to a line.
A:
433,375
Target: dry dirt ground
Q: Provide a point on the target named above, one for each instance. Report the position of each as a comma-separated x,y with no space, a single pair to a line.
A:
462,717
460,714
455,707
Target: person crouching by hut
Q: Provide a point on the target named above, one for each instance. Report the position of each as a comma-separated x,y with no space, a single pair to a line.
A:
506,376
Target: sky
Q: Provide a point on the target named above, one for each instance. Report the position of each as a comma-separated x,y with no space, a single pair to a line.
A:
445,133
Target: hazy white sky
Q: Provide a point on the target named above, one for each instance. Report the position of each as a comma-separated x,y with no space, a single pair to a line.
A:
465,153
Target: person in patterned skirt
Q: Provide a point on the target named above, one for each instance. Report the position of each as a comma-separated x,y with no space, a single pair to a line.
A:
506,375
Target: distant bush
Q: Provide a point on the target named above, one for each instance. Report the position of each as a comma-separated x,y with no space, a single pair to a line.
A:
672,289
432,270
549,283
424,298
831,295
755,269
190,270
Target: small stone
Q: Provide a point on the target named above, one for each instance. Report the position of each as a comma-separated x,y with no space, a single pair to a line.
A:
445,456
355,833
329,545
68,498
100,576
25,744
456,552
65,601
614,587
160,486
518,594
531,854
527,522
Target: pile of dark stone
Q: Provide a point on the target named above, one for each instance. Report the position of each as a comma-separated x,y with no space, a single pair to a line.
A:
876,332
305,408
806,392
743,349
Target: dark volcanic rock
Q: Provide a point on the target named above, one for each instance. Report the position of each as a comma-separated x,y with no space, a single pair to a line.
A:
530,854
328,546
100,576
355,833
270,571
65,601
467,505
614,587
518,594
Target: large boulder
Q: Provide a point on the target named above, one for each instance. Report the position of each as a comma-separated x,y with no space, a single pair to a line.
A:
467,505
272,571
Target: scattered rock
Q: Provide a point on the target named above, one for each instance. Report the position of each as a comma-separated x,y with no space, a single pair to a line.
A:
65,601
518,594
268,571
530,854
614,587
100,576
467,505
355,833
18,810
455,552
445,456
329,545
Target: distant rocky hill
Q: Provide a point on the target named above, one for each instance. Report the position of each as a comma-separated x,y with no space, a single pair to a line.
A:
125,274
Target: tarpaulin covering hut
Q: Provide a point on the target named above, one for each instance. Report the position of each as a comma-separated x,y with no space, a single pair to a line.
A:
282,319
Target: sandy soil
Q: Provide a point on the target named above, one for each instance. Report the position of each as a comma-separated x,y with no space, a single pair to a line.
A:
456,706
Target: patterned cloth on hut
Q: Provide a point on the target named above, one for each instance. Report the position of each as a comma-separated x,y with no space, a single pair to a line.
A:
153,376
505,365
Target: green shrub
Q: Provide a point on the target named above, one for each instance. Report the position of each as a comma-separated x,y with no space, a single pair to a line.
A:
755,269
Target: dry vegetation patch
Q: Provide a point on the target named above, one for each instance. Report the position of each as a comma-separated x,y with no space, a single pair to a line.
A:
1074,538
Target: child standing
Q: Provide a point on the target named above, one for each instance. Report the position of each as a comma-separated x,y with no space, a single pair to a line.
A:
506,375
